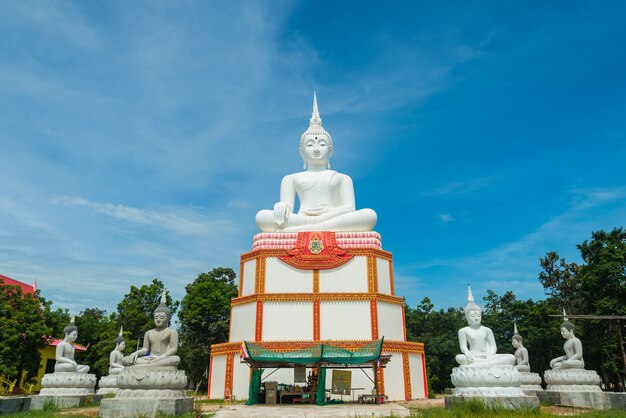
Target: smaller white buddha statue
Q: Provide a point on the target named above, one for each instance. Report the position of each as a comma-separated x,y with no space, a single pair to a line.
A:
326,197
521,353
65,351
117,355
160,344
573,347
478,345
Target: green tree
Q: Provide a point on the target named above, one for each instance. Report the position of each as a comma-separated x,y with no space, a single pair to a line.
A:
135,310
204,320
22,331
95,331
438,331
596,287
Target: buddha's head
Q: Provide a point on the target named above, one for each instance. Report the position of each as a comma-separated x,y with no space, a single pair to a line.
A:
316,145
162,312
70,332
567,328
517,341
120,341
473,313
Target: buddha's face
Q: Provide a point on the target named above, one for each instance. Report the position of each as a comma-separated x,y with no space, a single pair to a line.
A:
316,149
565,333
516,343
121,346
474,317
71,337
160,319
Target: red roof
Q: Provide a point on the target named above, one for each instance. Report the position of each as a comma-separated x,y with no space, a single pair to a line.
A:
77,347
26,288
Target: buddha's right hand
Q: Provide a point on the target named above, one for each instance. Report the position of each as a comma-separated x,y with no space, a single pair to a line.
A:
281,213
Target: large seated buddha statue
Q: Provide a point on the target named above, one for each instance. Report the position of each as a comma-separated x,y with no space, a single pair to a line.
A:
326,196
65,352
482,371
478,345
160,344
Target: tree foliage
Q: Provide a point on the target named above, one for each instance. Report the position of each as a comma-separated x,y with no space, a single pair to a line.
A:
22,331
595,287
204,319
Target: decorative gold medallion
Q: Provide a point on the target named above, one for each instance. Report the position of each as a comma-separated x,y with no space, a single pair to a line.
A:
316,245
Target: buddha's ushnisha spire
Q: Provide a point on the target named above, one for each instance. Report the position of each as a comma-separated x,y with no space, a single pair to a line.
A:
164,297
121,331
515,328
315,124
471,306
316,119
565,316
72,320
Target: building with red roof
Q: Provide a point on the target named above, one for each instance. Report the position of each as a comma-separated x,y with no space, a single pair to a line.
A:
26,288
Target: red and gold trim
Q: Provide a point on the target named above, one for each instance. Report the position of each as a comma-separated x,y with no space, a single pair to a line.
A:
380,379
316,281
391,283
228,380
316,320
352,345
208,393
259,276
407,376
352,252
240,290
301,297
424,373
258,335
374,318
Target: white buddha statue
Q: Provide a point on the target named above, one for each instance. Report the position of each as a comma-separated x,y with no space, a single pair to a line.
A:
65,352
117,355
573,358
521,353
160,344
478,345
326,197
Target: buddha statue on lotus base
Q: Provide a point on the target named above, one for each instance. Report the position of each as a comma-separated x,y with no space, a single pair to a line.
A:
149,384
108,384
326,197
69,379
481,371
531,382
568,372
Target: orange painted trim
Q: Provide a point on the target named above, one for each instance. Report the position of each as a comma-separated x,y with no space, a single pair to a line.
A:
424,372
380,379
370,275
391,283
407,376
208,393
316,320
240,290
389,346
259,276
299,297
228,380
403,323
258,335
374,273
316,281
374,318
255,254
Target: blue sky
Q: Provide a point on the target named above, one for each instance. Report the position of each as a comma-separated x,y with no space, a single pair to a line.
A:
139,139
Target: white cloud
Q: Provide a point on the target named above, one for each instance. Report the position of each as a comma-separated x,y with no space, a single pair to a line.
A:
445,217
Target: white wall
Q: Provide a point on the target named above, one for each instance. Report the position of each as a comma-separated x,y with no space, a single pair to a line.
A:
394,378
390,321
249,277
384,279
218,376
351,277
345,320
289,320
417,376
283,278
243,322
241,379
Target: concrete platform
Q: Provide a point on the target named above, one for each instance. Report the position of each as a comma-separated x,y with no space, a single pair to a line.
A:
506,402
37,401
144,407
13,404
594,400
313,411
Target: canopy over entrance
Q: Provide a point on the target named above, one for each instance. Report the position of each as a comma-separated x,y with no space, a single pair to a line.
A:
318,356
